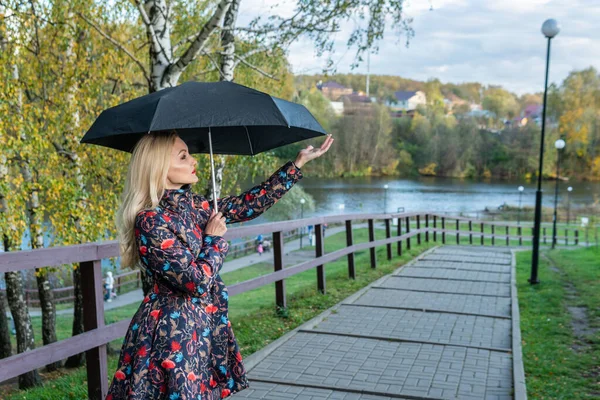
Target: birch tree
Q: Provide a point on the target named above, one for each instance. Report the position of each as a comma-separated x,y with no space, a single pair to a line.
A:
12,132
58,90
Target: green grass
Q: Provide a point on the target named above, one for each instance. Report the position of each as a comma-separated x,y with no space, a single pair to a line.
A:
255,321
553,369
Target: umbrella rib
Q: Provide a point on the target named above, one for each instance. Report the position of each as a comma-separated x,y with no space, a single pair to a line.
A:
249,142
278,109
154,116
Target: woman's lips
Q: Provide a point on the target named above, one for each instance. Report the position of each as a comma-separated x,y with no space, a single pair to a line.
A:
194,172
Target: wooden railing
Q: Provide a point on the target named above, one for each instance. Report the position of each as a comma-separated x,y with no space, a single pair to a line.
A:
96,336
66,294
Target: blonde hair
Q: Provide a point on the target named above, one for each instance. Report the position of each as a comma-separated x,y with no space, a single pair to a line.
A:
144,187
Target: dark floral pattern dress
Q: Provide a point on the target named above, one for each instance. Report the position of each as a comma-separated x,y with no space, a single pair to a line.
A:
180,344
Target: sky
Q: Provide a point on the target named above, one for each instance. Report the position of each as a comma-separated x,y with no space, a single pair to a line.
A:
495,42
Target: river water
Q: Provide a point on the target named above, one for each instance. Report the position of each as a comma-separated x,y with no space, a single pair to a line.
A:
367,194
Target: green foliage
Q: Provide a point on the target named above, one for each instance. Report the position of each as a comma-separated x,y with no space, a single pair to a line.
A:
502,103
289,206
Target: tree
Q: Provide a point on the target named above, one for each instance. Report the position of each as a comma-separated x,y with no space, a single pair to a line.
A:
58,97
578,121
502,103
288,207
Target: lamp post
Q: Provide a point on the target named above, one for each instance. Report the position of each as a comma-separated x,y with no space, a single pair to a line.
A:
302,201
550,29
521,188
385,187
559,144
569,190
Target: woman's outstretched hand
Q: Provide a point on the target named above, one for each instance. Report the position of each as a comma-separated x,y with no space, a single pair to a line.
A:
310,153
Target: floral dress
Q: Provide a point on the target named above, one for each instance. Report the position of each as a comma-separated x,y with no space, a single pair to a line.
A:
180,343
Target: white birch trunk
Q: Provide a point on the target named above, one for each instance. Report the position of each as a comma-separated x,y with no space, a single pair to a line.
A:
227,69
165,70
15,294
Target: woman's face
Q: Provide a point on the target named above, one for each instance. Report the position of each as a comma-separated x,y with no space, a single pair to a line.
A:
182,168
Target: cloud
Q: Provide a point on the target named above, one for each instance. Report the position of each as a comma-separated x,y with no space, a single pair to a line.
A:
493,42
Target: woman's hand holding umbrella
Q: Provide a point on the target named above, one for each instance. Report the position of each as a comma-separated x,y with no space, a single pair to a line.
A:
216,224
310,153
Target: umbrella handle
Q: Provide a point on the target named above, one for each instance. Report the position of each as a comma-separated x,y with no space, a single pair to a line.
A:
212,170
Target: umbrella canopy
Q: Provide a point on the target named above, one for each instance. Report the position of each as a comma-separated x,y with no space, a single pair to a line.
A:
241,120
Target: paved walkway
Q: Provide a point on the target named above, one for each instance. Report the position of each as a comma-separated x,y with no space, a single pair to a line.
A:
445,326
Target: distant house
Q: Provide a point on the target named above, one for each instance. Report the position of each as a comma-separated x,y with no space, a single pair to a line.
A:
407,100
453,101
333,90
356,104
533,111
477,112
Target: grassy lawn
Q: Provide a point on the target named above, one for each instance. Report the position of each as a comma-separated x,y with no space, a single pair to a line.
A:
553,368
252,314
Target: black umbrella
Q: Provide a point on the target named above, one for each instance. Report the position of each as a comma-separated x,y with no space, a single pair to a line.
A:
210,117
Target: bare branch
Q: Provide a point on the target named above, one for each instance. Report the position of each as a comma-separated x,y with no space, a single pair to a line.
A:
214,63
61,150
117,44
249,54
241,60
199,42
188,39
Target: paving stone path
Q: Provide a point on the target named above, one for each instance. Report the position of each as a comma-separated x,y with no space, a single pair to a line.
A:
445,326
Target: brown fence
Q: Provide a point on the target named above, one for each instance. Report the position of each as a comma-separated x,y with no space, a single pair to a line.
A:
93,341
133,278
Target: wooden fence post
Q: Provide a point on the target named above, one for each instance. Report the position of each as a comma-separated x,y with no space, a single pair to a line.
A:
443,230
280,297
372,239
388,234
520,233
434,228
399,244
418,227
427,227
351,271
470,232
493,234
407,231
507,235
93,318
320,250
544,230
457,230
566,236
482,235
576,237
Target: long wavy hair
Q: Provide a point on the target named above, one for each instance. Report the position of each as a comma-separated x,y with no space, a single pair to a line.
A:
144,187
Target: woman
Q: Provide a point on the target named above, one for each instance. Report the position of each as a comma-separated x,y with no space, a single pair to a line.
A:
180,344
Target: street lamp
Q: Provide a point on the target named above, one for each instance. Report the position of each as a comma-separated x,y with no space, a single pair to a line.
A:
550,29
385,187
521,188
569,190
559,144
302,201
